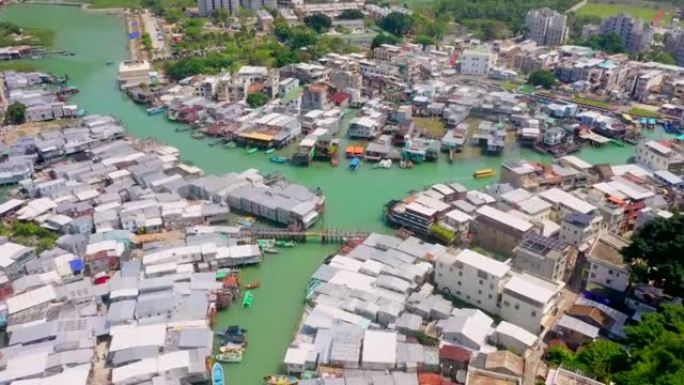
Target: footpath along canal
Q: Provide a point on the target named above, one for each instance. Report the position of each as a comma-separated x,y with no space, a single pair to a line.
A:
354,200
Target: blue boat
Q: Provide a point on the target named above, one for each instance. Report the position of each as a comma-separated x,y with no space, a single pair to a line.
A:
278,159
155,110
355,163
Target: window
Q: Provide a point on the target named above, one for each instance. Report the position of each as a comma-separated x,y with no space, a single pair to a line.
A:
459,283
458,292
593,275
479,292
610,272
609,281
506,303
516,306
490,296
533,313
451,269
468,297
478,301
481,282
491,286
460,274
439,274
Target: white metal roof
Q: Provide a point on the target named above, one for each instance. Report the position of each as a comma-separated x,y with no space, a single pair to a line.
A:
531,287
505,218
30,299
559,197
379,347
130,336
520,334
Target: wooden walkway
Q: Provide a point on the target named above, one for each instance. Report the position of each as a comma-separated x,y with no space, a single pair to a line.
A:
325,235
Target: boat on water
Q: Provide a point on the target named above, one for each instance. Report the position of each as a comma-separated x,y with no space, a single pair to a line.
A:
286,243
354,164
248,299
229,347
246,221
335,162
281,380
230,144
198,135
617,143
265,243
270,150
109,62
278,159
385,163
405,164
155,110
229,357
253,285
252,150
484,173
270,250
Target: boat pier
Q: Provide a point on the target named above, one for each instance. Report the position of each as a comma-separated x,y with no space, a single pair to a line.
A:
326,236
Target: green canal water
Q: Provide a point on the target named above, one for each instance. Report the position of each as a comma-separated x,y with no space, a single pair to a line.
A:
354,199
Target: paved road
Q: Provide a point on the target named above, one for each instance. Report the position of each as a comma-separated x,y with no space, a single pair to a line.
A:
152,26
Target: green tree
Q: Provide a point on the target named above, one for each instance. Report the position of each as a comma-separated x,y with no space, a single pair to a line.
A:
302,37
658,247
610,43
542,78
350,14
15,113
397,23
256,99
220,16
424,40
602,358
664,57
383,38
318,22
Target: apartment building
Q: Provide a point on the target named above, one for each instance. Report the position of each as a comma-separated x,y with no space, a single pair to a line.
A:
471,277
635,34
546,27
526,300
499,231
606,266
477,61
544,257
658,156
580,230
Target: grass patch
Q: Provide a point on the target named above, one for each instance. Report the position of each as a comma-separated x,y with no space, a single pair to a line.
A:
509,86
433,127
115,4
44,37
643,112
604,10
19,66
592,102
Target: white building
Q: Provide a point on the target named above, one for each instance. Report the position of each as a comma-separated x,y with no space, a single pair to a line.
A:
471,277
580,230
134,73
477,61
606,267
468,328
657,156
526,300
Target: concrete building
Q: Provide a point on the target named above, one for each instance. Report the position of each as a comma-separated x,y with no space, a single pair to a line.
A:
635,35
580,230
526,301
659,157
606,267
477,61
499,231
207,7
471,277
546,27
544,257
133,73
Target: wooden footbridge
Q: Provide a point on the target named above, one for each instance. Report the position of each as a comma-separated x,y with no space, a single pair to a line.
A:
328,235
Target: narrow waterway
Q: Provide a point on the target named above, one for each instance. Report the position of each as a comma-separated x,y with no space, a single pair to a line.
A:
354,199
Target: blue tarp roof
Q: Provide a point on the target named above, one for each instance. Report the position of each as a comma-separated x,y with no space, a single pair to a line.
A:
76,265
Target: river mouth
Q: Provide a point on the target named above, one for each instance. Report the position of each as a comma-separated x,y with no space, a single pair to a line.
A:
354,200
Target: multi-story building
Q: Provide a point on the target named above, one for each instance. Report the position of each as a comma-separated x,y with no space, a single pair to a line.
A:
580,230
207,7
526,300
658,156
258,4
477,61
499,231
546,26
471,277
674,44
544,257
606,267
635,35
315,97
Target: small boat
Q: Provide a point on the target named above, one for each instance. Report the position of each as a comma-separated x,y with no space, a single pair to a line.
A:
252,150
109,62
484,173
334,162
452,155
281,380
354,164
229,357
617,143
155,110
265,243
286,243
253,285
278,159
270,250
248,299
405,164
230,144
198,135
385,163
246,221
229,347
270,150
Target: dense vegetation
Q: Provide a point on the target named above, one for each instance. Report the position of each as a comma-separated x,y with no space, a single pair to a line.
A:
653,352
15,113
657,253
256,99
609,43
30,234
318,22
542,78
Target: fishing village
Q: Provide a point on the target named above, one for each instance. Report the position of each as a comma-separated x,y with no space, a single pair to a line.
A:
181,230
